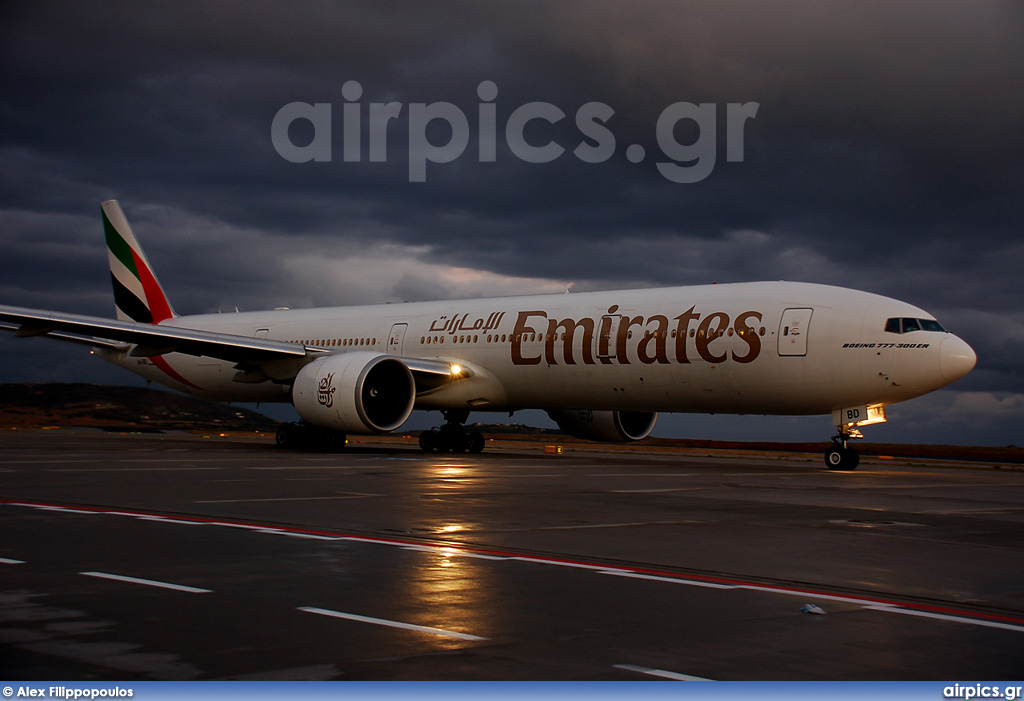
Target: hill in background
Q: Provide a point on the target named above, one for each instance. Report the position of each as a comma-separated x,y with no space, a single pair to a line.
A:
102,406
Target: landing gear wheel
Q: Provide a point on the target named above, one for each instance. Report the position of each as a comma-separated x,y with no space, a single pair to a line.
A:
452,437
475,442
331,441
287,436
840,458
458,441
428,440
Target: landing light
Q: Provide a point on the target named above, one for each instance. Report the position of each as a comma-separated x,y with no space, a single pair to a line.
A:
456,370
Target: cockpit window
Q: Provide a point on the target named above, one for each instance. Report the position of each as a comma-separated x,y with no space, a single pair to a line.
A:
907,325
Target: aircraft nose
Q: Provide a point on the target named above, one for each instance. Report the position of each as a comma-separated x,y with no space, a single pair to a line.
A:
956,358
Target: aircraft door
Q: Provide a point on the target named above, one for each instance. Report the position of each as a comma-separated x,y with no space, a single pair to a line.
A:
607,336
793,331
396,341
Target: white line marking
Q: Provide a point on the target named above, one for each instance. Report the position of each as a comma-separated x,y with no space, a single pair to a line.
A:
669,580
138,469
246,501
147,582
656,491
647,474
390,624
421,548
161,519
308,536
557,563
278,468
41,507
600,569
661,673
945,617
593,525
8,561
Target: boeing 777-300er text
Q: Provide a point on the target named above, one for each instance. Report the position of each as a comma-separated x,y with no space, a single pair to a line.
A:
602,364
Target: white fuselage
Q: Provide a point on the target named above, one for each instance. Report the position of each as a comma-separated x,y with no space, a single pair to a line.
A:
759,348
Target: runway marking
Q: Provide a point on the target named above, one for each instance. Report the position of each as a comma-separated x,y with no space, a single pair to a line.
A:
308,467
161,519
923,485
61,509
670,580
762,474
147,582
307,536
969,512
661,673
8,561
391,624
867,602
351,495
139,469
656,491
646,474
50,462
592,525
942,617
265,480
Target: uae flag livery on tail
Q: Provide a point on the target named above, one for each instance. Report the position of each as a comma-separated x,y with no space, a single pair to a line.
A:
137,294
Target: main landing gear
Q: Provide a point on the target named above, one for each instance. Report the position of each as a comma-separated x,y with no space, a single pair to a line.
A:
841,456
303,436
452,437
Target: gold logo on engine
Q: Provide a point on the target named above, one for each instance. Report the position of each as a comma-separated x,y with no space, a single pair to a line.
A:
325,392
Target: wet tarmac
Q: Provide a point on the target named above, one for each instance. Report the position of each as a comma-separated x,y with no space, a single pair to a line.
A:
174,556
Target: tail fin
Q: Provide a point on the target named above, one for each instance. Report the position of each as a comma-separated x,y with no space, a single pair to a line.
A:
137,293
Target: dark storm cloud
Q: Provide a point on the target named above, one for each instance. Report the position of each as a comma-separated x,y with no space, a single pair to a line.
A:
885,155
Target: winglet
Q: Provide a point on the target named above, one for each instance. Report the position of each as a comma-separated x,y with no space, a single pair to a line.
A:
137,293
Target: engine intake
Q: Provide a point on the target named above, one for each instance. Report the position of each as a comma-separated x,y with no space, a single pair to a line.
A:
358,392
606,426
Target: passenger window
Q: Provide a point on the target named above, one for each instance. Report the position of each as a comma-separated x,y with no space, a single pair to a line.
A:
911,325
892,325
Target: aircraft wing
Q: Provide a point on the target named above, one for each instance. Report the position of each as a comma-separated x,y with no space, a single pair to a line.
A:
148,339
143,340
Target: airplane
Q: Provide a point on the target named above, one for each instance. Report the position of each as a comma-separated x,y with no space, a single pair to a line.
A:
601,364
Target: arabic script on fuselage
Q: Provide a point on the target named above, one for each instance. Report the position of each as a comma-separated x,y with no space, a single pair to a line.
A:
609,338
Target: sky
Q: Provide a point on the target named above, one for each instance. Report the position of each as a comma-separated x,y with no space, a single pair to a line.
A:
882,150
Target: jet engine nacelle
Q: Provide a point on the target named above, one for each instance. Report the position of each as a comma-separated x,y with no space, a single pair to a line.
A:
358,392
606,426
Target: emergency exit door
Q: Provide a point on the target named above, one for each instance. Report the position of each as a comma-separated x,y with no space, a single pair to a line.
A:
793,332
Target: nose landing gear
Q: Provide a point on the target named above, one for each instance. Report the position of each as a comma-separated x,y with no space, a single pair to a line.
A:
840,456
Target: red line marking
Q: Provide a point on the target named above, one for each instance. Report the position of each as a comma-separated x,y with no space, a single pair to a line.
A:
541,559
